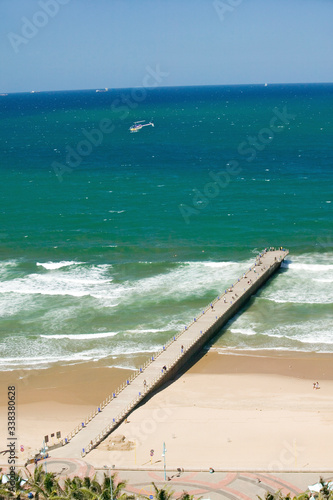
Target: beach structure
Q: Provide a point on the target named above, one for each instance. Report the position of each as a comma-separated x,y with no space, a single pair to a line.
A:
165,364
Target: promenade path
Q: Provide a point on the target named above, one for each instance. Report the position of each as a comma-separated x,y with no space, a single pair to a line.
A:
173,356
221,485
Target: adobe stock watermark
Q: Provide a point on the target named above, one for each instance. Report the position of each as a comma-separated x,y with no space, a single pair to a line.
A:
225,7
30,27
288,457
141,432
266,135
94,137
247,149
218,180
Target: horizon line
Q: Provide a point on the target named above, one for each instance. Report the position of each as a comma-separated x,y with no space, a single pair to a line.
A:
107,89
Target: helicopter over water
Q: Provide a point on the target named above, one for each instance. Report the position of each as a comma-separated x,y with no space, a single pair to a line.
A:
139,125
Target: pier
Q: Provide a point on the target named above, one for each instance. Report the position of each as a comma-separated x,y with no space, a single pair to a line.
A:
165,364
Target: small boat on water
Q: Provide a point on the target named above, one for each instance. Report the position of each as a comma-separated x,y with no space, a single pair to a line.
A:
139,125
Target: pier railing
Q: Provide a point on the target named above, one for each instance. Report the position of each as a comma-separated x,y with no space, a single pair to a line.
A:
121,416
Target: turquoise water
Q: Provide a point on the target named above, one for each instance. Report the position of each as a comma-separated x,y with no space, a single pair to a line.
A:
110,242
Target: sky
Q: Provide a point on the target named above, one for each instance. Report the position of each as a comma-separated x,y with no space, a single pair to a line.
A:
86,44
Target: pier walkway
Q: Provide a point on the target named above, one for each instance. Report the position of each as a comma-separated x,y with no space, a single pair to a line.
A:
170,359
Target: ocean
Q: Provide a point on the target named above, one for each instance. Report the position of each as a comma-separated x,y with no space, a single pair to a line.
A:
111,241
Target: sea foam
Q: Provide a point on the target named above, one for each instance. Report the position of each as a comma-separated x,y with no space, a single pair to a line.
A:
58,265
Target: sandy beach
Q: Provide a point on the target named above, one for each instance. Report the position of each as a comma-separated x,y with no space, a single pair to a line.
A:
55,399
236,412
228,411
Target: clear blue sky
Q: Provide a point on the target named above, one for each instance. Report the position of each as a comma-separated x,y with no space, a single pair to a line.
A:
110,43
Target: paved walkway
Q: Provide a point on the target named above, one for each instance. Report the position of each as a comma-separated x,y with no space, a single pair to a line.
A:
221,485
210,486
115,409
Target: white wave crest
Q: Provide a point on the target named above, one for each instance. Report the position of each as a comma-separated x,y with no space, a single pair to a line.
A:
216,264
317,268
8,263
305,281
191,278
80,336
307,332
47,357
243,331
58,265
77,282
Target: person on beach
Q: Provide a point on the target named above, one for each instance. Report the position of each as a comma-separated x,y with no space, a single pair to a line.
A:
182,349
144,383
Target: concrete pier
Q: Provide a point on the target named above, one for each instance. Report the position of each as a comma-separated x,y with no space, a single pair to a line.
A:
170,359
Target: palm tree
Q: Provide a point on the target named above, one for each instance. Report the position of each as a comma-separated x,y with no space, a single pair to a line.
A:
91,489
163,493
186,496
279,496
117,488
325,492
6,489
44,484
73,488
275,496
5,493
